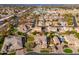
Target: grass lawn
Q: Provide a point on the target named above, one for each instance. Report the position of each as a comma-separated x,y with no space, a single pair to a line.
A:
68,50
44,51
1,41
78,50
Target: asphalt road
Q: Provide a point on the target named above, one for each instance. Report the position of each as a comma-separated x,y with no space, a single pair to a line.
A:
74,21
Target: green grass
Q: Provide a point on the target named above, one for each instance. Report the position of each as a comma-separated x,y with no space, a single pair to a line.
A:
30,43
12,30
44,51
70,21
12,53
29,49
72,32
1,41
0,53
68,51
78,50
68,18
30,38
77,35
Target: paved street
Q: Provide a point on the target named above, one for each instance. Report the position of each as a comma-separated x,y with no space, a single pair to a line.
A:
74,21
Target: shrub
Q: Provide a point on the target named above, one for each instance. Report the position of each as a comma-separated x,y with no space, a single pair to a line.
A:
34,33
65,42
21,33
65,46
46,33
51,35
